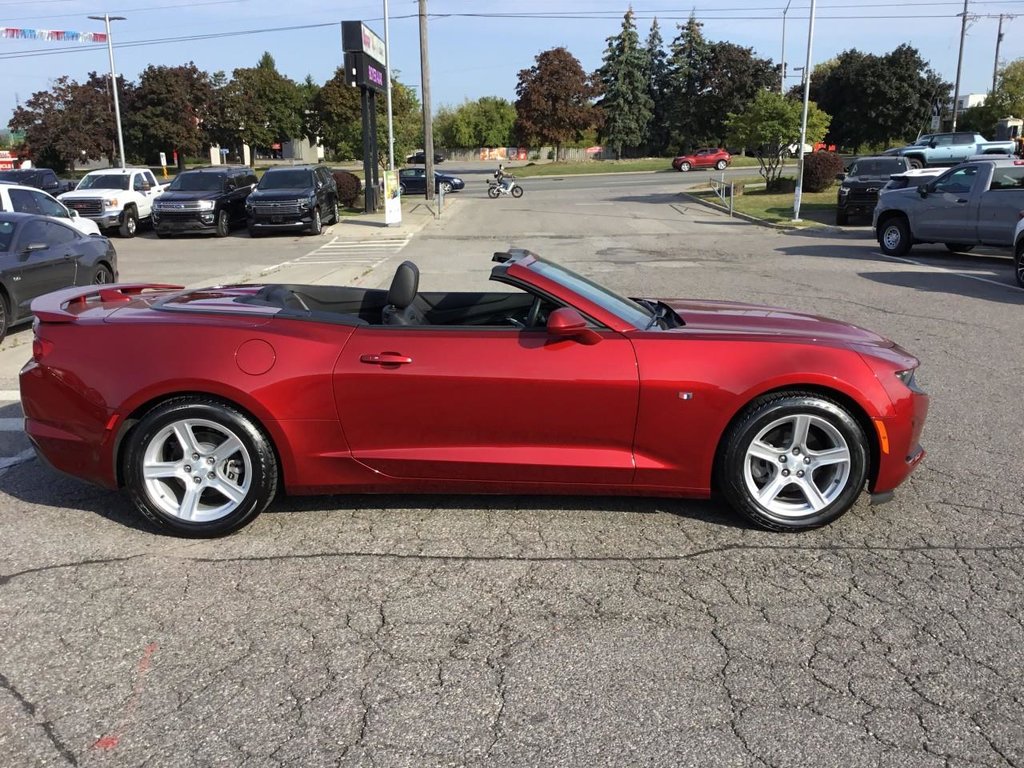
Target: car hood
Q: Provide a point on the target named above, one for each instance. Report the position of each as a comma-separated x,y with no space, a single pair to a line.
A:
851,181
78,194
171,196
736,319
281,194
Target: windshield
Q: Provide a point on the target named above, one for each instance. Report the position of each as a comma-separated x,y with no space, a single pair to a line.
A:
20,176
923,141
198,182
878,167
105,181
629,310
286,180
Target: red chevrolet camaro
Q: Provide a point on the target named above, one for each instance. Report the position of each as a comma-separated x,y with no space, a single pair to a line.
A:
204,404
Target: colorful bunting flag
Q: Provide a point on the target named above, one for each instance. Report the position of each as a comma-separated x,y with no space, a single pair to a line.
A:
52,35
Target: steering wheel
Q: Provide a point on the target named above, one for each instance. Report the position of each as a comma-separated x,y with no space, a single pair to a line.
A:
534,314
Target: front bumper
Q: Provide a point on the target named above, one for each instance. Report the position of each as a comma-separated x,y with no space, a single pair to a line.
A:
280,223
899,439
178,224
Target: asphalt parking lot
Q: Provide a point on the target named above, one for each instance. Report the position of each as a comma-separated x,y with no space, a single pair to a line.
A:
466,630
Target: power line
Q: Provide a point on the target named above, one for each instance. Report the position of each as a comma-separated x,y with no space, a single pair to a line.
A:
127,10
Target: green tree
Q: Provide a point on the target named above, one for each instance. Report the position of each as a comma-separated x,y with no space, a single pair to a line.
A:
486,122
72,122
689,61
625,101
771,122
265,105
555,101
657,88
167,112
877,99
734,77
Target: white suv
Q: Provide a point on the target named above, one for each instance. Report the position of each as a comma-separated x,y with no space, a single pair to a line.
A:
21,199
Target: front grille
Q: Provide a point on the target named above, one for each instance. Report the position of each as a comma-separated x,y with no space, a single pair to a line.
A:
178,215
187,205
86,206
863,196
280,208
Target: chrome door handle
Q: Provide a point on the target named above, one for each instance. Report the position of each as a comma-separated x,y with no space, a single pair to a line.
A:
386,358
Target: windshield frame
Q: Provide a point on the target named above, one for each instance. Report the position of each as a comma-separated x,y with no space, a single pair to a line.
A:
269,176
220,180
91,182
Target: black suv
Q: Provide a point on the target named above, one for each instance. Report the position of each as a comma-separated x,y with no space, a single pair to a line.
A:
293,197
204,200
860,187
40,178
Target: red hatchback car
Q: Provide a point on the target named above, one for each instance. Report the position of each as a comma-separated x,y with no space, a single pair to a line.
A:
553,385
709,157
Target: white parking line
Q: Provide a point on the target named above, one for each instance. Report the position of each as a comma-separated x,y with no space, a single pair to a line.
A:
948,271
12,461
12,425
9,394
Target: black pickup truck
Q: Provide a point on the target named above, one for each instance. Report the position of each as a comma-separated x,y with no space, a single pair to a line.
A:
858,193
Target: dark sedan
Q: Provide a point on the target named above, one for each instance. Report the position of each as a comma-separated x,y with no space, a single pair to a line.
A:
420,158
39,255
414,180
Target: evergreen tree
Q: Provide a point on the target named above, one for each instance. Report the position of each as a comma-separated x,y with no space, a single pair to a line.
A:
657,88
623,79
688,66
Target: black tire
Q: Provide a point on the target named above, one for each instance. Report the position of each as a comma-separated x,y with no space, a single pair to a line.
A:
253,232
446,187
493,192
842,218
915,162
129,222
5,316
102,275
223,224
1018,264
957,248
720,165
158,233
401,188
684,166
517,191
250,471
894,236
335,213
766,421
316,226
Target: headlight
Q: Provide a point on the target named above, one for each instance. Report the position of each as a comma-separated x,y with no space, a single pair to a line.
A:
206,205
306,203
110,203
844,190
909,379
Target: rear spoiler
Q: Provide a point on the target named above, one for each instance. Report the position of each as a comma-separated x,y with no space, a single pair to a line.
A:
55,307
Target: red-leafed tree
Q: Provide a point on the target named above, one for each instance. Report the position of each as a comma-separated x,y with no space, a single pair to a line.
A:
556,101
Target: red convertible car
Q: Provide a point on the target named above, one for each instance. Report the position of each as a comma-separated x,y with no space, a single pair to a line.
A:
204,404
709,157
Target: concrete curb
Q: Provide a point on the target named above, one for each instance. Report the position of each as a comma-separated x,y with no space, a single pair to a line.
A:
754,220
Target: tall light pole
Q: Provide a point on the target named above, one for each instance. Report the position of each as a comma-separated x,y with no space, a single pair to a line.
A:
803,120
782,78
959,65
106,19
387,71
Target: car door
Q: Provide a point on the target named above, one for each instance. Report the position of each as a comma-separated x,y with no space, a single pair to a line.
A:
412,180
489,404
948,213
1000,206
44,260
47,206
941,150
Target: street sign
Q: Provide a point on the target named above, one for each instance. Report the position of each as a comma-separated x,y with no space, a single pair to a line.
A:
936,122
358,38
163,159
363,71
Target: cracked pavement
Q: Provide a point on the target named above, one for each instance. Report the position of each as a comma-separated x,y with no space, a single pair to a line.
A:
581,631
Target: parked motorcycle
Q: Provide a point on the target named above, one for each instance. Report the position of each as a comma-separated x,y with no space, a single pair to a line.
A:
497,188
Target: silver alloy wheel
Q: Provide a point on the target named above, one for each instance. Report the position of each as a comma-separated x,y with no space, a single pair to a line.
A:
196,470
797,465
891,236
446,186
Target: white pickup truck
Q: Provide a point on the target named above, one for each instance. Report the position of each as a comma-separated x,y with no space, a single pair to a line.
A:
115,197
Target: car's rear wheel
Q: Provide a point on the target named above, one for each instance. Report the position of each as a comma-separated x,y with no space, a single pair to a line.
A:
1018,264
5,317
130,223
102,275
894,236
684,166
720,165
199,467
517,191
493,191
958,248
793,460
223,224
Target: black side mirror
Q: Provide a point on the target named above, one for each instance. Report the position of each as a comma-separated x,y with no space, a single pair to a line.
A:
922,190
840,176
932,144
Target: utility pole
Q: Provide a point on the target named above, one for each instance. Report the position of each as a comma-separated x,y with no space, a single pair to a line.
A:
106,19
959,65
428,128
995,66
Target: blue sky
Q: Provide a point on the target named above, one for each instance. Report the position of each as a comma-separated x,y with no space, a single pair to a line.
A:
474,56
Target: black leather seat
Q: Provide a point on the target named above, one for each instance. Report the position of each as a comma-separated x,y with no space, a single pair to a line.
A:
401,295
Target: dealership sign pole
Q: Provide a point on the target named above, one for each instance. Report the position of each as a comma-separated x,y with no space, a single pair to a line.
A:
364,68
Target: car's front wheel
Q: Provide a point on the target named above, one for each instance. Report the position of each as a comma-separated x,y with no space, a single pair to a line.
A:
894,236
1018,263
317,225
684,166
793,460
102,275
446,187
129,222
720,165
223,224
199,467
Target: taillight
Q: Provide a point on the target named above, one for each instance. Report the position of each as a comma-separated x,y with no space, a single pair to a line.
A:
40,346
